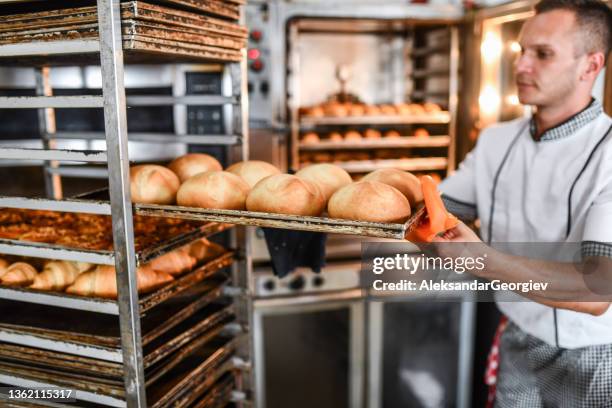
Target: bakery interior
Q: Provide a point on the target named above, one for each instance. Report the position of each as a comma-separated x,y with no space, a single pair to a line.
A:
97,96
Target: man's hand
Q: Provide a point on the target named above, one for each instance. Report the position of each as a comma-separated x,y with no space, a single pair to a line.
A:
461,233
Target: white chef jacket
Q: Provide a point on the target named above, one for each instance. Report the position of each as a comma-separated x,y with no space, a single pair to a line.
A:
557,190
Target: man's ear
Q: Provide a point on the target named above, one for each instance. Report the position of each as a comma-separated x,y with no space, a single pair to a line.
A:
595,63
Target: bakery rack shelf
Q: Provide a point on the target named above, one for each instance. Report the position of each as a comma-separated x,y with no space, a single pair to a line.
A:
425,51
293,222
87,101
203,140
384,143
412,164
432,118
424,73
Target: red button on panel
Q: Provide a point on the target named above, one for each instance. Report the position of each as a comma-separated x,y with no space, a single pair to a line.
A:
256,35
253,53
257,65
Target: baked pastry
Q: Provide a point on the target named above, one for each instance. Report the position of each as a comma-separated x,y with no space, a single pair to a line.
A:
310,138
328,177
372,110
357,110
214,189
152,184
421,132
372,134
335,109
369,201
286,194
174,263
316,112
404,109
19,274
352,136
388,109
335,137
407,183
57,275
205,250
341,156
417,109
321,157
431,107
191,164
392,134
3,266
102,281
252,171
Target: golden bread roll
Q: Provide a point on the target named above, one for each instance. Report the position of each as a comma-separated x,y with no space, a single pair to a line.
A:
372,110
335,137
102,281
431,107
336,109
286,194
310,138
372,134
369,201
3,266
392,134
341,156
385,154
152,184
56,275
421,132
19,274
316,112
388,110
205,250
191,164
214,189
407,183
174,263
357,110
359,156
404,109
417,109
252,171
328,177
321,157
352,136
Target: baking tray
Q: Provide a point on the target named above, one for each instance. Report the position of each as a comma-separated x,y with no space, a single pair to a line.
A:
405,142
293,222
429,118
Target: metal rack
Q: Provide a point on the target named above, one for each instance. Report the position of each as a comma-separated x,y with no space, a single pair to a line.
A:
131,337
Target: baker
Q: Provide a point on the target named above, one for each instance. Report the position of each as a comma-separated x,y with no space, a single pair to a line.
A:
548,179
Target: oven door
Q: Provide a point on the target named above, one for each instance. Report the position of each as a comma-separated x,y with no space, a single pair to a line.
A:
309,351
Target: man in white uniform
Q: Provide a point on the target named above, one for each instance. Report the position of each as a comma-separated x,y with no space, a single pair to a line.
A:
548,179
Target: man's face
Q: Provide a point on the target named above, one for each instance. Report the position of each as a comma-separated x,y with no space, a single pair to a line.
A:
547,70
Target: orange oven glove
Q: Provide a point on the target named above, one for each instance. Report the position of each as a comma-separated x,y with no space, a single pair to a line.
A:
437,219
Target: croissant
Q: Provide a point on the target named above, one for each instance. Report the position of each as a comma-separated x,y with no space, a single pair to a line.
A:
102,282
174,263
19,274
3,266
203,250
57,275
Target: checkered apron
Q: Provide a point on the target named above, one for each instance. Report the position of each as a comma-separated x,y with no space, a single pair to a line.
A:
534,374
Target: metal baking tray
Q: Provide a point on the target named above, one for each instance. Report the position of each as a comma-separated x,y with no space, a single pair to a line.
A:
293,222
408,164
383,143
429,118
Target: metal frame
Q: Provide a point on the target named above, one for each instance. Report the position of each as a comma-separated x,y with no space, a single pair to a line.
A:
114,103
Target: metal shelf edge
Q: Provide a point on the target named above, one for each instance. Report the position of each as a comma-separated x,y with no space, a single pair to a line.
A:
63,300
79,206
48,251
35,102
14,153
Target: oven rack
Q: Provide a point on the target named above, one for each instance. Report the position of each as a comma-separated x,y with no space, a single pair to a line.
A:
404,142
430,118
109,49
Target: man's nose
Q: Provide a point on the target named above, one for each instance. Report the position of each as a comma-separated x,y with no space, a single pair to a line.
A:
522,64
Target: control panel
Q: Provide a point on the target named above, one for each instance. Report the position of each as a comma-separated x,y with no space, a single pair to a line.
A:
258,54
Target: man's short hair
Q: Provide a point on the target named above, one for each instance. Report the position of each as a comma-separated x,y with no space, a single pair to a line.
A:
594,20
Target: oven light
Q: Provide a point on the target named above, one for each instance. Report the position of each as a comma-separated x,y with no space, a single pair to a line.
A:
491,47
489,100
515,47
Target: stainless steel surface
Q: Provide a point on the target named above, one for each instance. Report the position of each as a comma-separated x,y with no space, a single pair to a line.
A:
296,222
48,251
49,48
205,140
30,102
74,205
54,154
115,120
162,100
60,300
403,142
80,171
441,117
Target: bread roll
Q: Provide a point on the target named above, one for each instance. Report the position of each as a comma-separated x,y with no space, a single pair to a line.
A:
372,110
336,109
335,137
56,275
174,263
369,201
392,134
431,107
316,112
191,164
417,109
342,157
421,132
205,250
352,136
372,134
286,194
152,184
359,156
214,189
102,281
404,109
322,157
3,266
388,110
19,274
328,177
408,184
310,138
357,110
253,170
